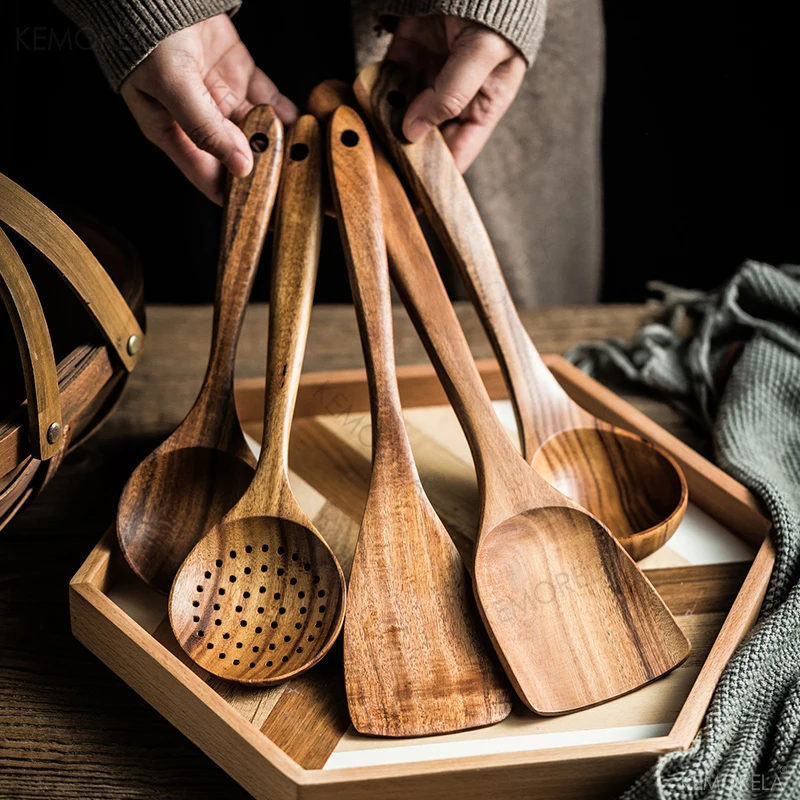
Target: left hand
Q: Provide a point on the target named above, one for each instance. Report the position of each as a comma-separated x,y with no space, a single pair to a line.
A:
473,75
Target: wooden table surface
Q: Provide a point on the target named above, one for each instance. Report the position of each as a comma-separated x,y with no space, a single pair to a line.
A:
69,728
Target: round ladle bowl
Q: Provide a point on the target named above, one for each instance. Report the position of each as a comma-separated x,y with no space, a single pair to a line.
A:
258,600
635,487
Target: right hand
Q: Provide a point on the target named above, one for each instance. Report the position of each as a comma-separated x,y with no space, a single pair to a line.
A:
189,93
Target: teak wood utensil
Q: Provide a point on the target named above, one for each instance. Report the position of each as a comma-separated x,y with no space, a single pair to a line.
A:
636,488
416,660
188,483
261,597
573,619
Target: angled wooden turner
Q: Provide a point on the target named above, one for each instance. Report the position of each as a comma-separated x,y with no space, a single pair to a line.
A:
186,485
416,659
573,619
635,487
261,597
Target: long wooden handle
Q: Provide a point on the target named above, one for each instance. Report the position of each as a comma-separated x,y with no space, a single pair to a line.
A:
36,351
356,197
298,234
417,279
428,165
246,215
57,242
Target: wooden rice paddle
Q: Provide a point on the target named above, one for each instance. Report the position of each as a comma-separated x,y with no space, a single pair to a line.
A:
416,659
573,619
188,483
635,487
261,597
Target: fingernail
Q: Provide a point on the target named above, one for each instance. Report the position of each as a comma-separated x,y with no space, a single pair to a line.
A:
239,164
417,128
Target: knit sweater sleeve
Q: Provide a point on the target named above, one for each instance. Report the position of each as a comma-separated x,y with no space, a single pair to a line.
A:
519,21
124,32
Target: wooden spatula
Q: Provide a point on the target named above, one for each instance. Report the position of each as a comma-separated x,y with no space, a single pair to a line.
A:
573,619
635,487
416,659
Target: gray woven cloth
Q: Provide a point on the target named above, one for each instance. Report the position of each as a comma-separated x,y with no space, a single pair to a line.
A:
749,745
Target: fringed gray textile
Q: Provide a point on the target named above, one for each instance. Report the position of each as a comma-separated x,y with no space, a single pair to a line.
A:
749,746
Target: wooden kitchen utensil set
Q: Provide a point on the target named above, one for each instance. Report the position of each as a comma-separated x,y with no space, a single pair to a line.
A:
258,597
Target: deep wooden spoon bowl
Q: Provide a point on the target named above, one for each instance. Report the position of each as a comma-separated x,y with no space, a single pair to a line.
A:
191,480
543,410
635,487
261,597
200,485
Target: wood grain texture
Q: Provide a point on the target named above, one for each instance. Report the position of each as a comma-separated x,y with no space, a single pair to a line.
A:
261,597
416,659
35,349
634,487
72,729
193,478
572,618
83,273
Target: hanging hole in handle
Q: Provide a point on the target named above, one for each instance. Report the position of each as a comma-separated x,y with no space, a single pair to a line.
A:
259,142
349,138
298,152
396,99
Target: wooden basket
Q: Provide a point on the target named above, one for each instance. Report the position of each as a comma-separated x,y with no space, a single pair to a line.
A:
294,740
74,349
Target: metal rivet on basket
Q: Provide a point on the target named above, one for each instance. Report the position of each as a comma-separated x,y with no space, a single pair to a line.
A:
134,344
53,433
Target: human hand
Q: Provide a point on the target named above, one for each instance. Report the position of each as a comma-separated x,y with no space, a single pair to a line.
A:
472,74
188,94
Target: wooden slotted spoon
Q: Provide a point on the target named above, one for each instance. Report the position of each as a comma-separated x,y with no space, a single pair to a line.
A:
190,481
635,487
416,659
261,597
573,619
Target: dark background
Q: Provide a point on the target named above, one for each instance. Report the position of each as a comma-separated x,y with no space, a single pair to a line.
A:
700,160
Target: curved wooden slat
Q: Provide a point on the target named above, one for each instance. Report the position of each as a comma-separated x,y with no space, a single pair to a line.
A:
56,241
36,351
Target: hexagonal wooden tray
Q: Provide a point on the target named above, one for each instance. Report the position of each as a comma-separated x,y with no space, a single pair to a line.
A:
294,740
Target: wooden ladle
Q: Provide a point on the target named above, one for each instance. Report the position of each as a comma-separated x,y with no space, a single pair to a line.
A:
188,483
416,659
261,597
635,487
573,619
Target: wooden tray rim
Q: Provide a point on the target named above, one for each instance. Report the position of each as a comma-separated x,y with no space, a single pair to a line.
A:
286,777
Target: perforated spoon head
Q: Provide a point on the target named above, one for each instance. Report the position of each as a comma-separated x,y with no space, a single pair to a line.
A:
258,600
573,619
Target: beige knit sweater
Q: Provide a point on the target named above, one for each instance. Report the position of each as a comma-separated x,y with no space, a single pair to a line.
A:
537,181
125,31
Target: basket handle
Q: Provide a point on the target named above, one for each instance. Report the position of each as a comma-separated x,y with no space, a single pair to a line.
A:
53,238
45,428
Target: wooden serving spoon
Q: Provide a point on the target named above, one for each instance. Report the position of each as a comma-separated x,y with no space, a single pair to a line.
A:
261,597
416,660
635,487
188,483
573,619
